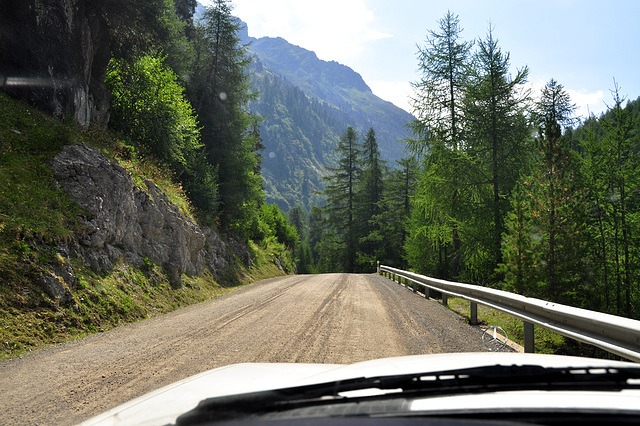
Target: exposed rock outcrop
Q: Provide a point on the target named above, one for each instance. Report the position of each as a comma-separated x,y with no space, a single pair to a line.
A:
54,54
126,222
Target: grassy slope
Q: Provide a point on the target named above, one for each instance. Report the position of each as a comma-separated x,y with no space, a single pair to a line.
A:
34,214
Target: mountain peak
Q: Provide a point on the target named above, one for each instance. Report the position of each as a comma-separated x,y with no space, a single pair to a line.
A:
301,65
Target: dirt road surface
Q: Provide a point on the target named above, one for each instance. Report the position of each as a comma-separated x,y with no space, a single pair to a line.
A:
334,318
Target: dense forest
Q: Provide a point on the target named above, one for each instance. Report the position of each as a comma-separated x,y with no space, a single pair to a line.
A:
501,187
180,87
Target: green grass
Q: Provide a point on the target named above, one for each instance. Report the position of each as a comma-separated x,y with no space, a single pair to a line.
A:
546,342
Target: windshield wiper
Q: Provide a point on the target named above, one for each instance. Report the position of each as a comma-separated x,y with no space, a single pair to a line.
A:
401,388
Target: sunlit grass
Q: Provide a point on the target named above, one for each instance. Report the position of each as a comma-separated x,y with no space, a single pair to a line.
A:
545,341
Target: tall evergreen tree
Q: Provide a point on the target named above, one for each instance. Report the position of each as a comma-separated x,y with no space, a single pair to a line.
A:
220,88
553,205
437,100
438,132
341,197
369,201
553,112
497,139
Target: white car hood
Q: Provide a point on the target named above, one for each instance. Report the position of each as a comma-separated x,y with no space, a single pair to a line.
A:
164,405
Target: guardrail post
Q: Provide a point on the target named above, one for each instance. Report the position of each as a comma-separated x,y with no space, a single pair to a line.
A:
529,343
473,314
426,292
378,268
445,299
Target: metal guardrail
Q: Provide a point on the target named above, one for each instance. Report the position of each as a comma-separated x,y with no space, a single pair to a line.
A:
612,333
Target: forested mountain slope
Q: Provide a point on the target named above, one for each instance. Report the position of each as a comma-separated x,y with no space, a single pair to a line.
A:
307,103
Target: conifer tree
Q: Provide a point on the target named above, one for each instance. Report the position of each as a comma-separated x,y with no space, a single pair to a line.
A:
552,201
220,89
438,134
369,200
341,198
497,139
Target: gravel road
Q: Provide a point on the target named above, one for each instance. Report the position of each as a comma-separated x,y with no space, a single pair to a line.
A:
332,318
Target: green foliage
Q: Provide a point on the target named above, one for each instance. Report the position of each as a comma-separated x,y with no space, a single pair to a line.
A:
438,135
520,246
219,88
497,137
609,168
356,228
141,27
368,208
550,207
149,107
556,213
438,95
31,206
399,185
272,223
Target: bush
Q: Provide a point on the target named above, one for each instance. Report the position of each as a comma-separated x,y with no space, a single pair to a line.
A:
273,223
148,105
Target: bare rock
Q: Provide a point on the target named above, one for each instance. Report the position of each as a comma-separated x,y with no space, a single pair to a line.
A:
55,55
55,287
125,222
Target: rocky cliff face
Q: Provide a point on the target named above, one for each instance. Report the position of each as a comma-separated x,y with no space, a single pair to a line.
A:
54,54
125,222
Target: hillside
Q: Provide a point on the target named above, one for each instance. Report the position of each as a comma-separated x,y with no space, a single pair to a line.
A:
307,103
81,235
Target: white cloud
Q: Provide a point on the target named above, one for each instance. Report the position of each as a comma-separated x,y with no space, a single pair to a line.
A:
396,92
334,29
587,102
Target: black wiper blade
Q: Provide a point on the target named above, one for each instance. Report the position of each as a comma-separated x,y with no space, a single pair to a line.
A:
496,378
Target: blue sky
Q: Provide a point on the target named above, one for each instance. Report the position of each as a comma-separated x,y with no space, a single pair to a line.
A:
583,44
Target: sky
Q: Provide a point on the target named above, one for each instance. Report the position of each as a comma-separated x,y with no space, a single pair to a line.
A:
583,44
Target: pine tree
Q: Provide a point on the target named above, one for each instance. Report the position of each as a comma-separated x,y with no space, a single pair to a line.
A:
497,138
438,132
369,200
341,198
220,88
549,205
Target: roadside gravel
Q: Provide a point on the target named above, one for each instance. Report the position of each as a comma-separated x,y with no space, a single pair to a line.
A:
331,318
